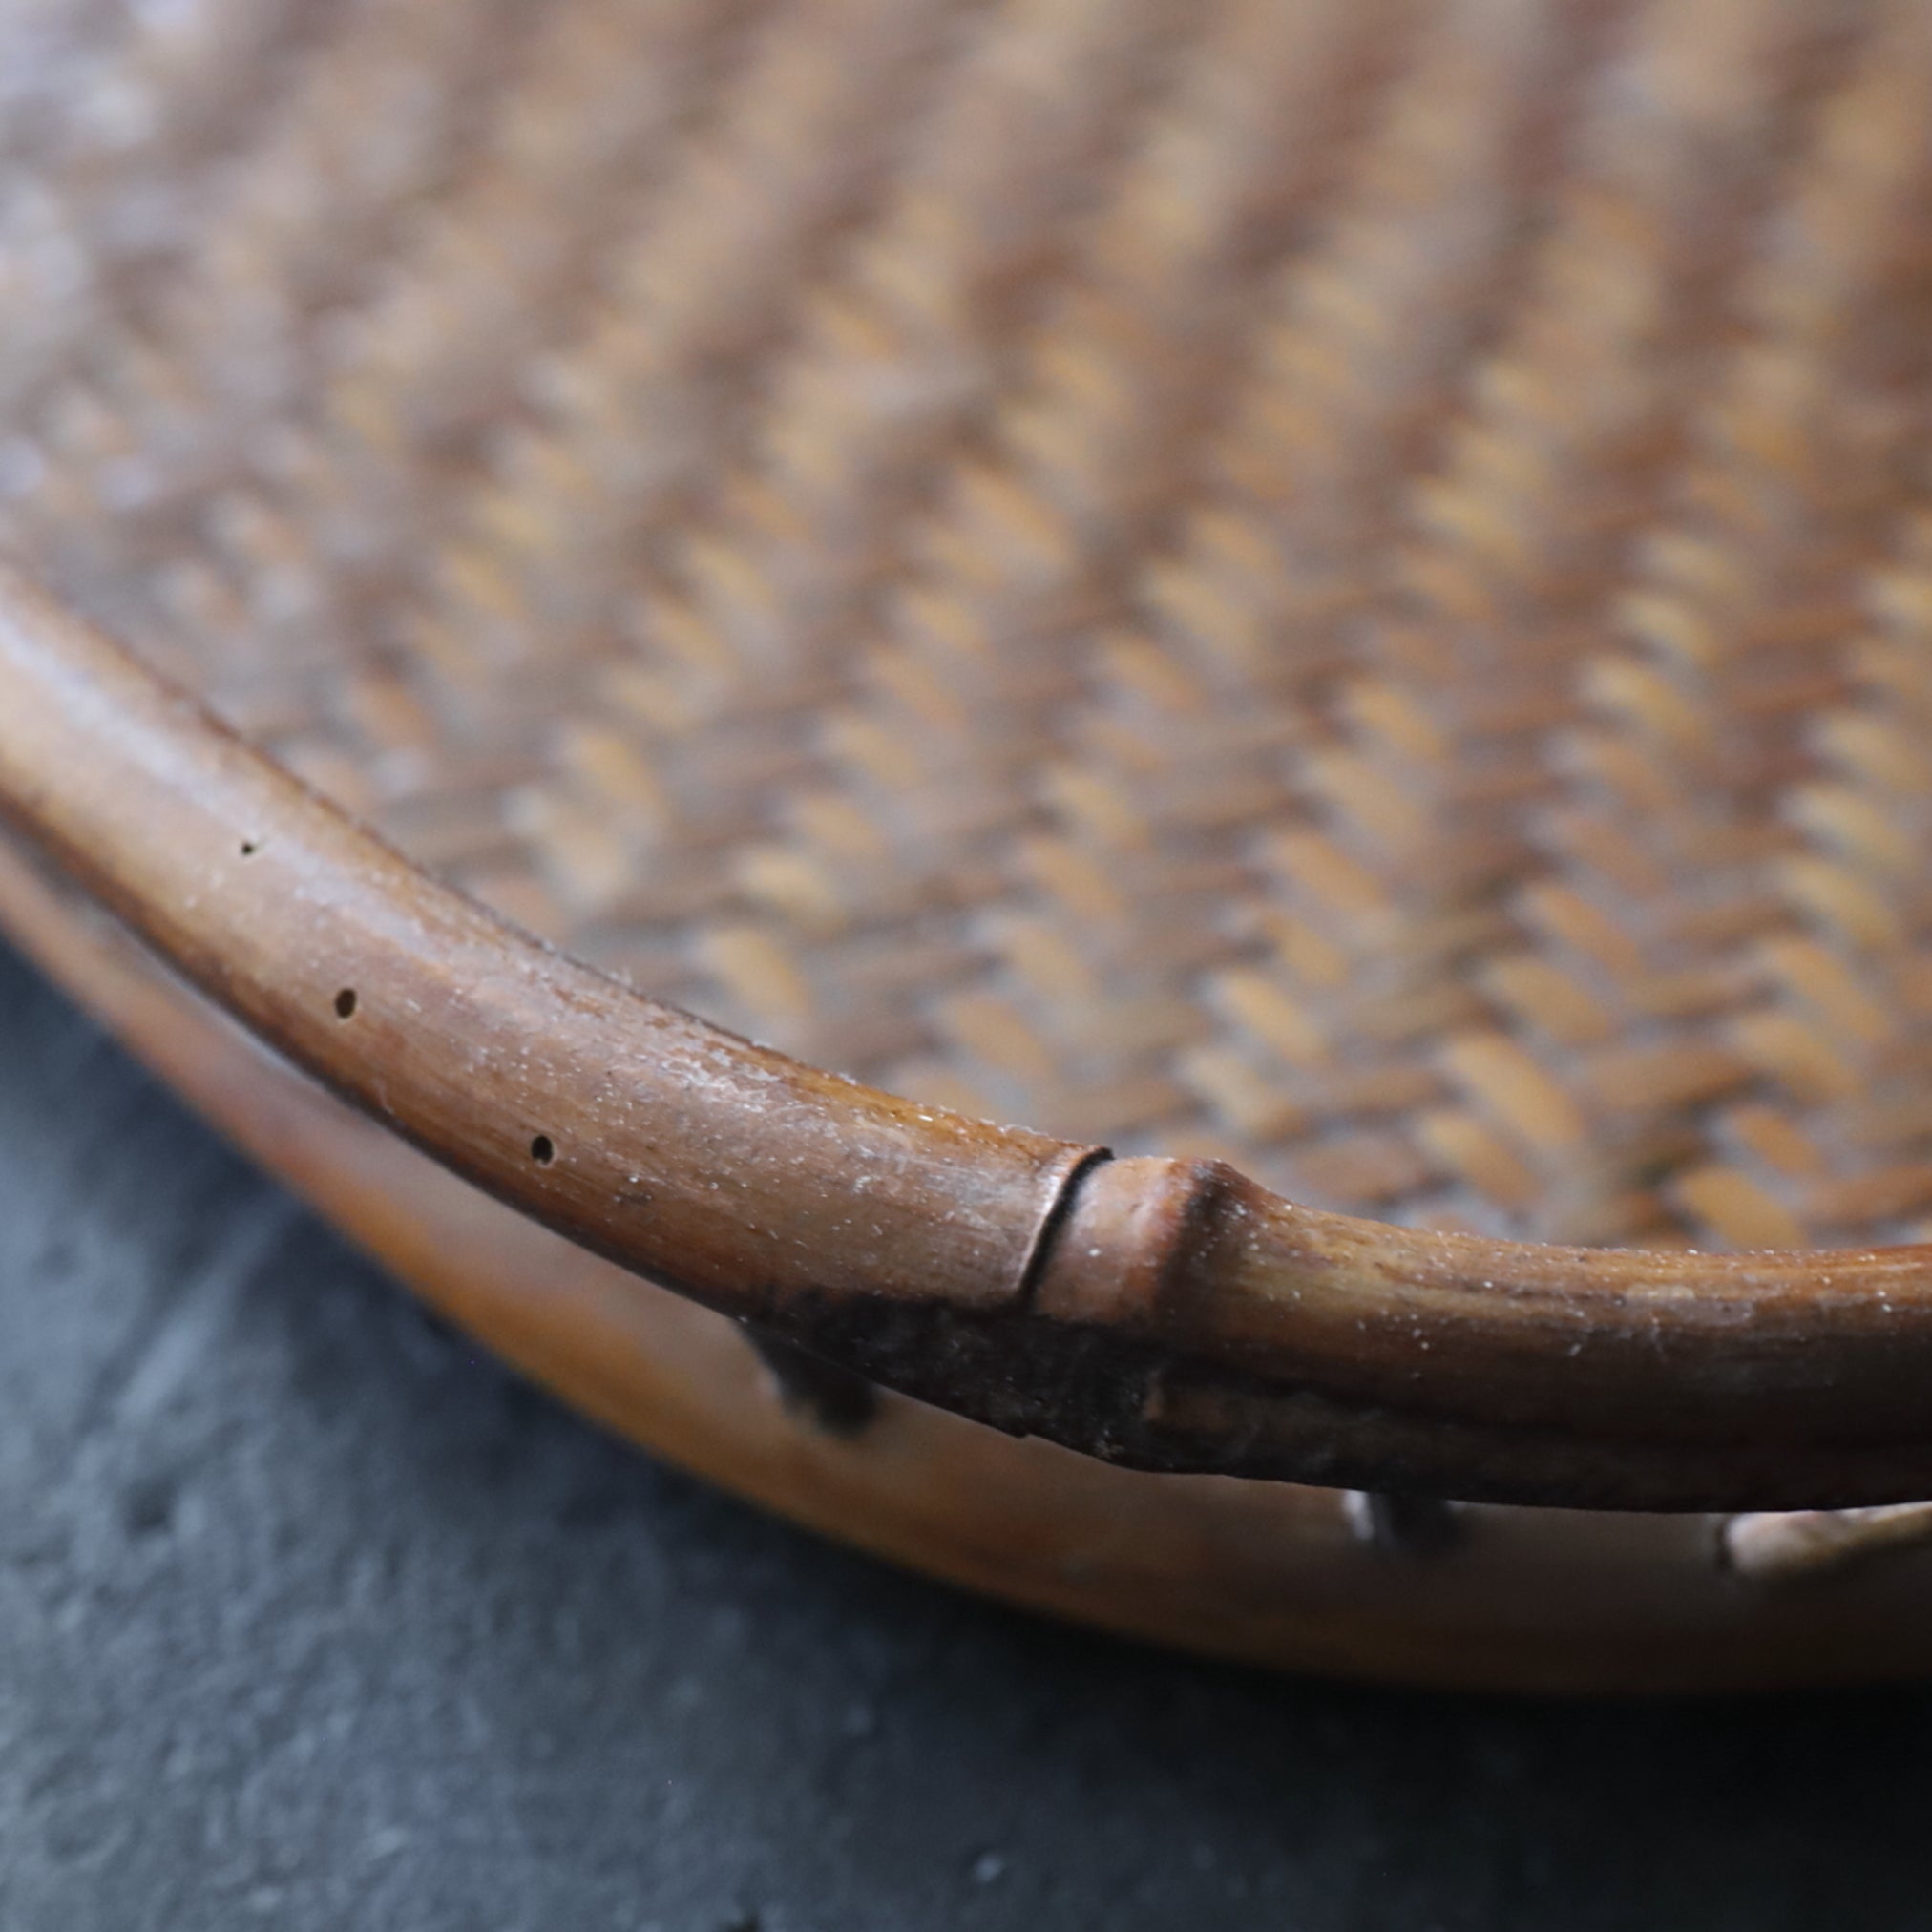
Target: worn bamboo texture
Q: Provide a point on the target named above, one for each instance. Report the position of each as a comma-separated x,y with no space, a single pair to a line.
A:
1161,1313
1335,588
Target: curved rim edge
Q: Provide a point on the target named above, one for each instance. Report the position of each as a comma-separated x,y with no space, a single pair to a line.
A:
1166,1314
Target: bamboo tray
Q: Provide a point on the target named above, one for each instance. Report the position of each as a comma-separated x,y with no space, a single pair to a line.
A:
1328,603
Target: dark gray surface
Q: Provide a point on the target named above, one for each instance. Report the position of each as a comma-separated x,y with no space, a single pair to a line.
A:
311,1618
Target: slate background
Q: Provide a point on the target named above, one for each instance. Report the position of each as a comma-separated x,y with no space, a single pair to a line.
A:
311,1617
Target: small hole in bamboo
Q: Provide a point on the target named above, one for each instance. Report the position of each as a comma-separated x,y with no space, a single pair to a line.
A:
543,1150
345,1004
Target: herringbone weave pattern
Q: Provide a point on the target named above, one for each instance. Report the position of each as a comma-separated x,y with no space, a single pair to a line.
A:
1344,584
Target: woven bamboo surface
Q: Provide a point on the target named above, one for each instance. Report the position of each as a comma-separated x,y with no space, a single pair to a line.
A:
1344,585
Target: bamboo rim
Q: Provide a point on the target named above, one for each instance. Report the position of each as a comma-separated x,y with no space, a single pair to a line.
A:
1162,1314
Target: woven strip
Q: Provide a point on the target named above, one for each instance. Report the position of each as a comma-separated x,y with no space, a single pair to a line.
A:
1346,586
